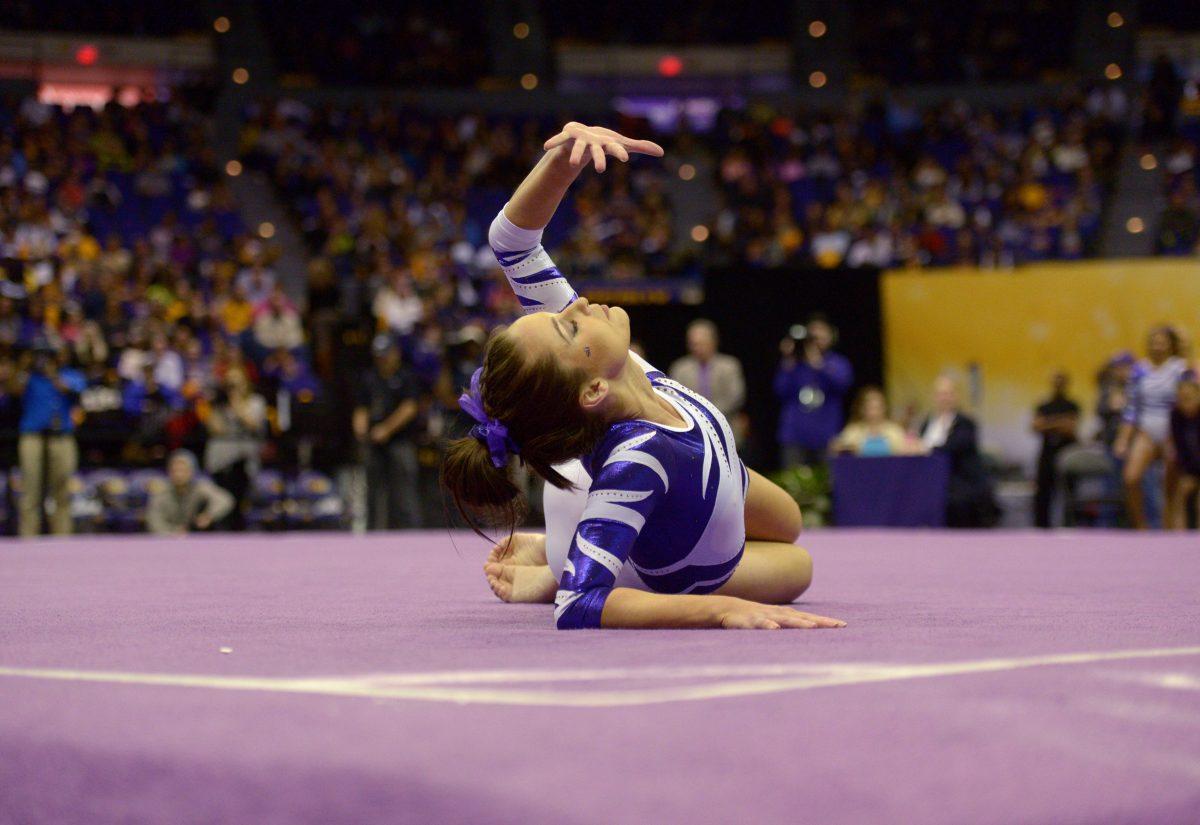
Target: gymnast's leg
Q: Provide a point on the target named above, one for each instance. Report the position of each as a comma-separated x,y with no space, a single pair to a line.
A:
773,569
1142,453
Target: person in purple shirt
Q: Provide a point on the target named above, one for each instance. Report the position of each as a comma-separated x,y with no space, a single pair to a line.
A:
811,385
1185,444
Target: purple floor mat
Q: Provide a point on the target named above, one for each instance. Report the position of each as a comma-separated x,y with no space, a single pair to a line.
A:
984,678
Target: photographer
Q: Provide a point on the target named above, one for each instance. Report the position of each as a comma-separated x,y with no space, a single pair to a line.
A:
811,384
47,450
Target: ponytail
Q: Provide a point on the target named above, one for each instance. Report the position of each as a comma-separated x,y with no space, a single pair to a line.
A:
538,403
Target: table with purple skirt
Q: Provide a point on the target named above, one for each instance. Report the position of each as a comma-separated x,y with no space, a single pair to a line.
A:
890,491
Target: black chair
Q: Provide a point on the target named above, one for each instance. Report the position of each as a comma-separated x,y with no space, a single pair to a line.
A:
1089,485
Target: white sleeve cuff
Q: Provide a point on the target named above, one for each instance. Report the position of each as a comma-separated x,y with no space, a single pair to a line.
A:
507,236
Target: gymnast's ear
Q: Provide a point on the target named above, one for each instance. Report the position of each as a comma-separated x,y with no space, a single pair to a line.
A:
593,394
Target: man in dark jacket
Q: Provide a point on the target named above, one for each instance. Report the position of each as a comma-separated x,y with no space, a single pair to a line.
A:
385,422
969,499
1056,421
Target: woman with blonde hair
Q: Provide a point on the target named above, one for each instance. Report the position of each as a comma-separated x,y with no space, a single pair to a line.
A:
870,431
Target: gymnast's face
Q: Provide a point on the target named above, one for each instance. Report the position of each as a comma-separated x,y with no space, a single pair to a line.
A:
1159,346
590,337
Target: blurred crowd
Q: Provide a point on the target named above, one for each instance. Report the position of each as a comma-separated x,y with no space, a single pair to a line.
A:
1172,150
136,314
899,185
386,190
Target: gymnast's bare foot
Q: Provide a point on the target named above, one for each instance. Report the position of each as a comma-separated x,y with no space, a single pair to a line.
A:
525,549
521,583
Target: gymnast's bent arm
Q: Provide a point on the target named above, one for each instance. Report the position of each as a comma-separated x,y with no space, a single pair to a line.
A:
516,233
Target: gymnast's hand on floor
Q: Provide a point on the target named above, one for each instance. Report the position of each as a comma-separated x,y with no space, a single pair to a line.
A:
600,142
747,615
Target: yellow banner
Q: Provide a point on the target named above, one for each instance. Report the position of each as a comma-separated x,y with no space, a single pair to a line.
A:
1005,333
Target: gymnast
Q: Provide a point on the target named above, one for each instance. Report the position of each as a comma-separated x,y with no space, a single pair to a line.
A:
652,520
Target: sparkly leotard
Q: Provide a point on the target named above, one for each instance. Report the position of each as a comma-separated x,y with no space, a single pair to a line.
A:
658,508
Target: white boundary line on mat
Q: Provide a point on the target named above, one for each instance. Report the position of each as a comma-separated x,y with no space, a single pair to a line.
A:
484,686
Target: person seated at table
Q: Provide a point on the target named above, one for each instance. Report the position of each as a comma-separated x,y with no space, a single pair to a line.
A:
870,431
947,430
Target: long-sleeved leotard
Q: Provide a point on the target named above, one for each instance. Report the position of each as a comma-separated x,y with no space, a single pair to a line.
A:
664,508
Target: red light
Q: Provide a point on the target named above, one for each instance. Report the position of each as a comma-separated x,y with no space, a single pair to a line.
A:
670,65
87,55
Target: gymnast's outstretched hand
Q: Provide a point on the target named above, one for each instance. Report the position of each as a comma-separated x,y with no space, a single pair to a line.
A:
600,142
747,615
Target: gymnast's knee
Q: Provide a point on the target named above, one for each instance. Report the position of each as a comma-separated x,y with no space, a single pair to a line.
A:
799,573
791,522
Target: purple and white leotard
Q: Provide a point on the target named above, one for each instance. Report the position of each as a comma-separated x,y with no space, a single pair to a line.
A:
657,508
1151,395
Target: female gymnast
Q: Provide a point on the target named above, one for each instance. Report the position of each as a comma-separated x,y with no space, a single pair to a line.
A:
1146,422
652,519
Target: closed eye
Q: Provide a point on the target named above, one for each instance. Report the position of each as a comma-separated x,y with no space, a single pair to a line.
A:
575,327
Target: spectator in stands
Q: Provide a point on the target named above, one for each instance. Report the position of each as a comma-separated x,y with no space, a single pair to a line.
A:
715,375
47,447
10,410
234,313
277,322
256,283
811,389
1056,420
397,307
1144,435
168,364
385,423
1179,225
105,427
1185,443
870,431
149,406
947,430
236,426
186,503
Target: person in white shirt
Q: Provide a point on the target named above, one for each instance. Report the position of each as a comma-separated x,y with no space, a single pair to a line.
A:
969,499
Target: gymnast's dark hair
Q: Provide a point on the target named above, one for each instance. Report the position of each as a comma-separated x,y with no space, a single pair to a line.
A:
1175,341
537,399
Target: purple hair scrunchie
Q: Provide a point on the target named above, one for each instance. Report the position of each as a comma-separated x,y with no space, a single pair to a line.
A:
490,431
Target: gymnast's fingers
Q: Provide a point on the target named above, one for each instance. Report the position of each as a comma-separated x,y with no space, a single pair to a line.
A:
577,151
598,158
617,151
793,618
558,140
643,147
822,621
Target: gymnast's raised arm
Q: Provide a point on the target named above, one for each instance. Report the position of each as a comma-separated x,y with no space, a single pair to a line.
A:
516,233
